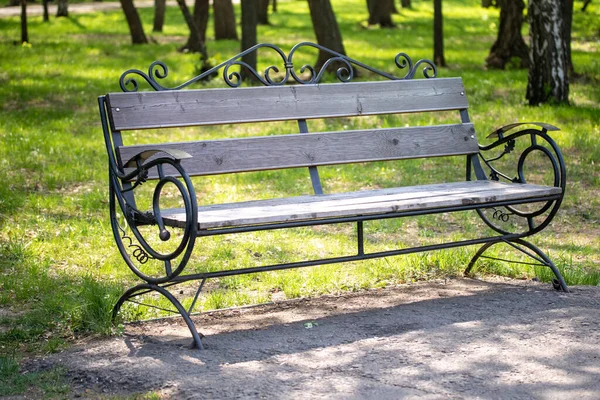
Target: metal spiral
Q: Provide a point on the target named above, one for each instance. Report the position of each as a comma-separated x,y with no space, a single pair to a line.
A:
138,252
501,215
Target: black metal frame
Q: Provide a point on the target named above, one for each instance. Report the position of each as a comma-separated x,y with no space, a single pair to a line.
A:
122,185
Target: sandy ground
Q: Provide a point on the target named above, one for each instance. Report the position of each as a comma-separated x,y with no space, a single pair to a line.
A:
446,339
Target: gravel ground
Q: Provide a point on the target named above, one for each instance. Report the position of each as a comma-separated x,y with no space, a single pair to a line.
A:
444,339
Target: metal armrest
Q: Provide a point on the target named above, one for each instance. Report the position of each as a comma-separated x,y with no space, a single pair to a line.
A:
499,133
146,154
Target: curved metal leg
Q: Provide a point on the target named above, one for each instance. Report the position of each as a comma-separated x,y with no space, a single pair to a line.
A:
477,255
558,283
148,287
561,284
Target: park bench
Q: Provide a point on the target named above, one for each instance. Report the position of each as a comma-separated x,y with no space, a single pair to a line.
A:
156,235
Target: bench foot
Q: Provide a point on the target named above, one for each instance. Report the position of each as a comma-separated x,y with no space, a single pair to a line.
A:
558,283
145,288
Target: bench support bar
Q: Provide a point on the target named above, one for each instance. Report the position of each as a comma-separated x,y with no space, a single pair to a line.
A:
522,245
512,240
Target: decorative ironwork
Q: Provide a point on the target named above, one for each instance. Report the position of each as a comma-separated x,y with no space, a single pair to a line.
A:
138,252
550,150
158,70
501,215
142,249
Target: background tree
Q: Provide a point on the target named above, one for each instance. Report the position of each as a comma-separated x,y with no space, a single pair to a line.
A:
326,29
548,70
135,24
263,12
405,4
224,20
62,8
585,4
438,34
160,7
197,39
380,12
567,13
195,44
45,8
24,32
201,11
509,42
249,21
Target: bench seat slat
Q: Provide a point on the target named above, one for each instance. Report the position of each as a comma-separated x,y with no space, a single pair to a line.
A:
436,196
144,110
314,149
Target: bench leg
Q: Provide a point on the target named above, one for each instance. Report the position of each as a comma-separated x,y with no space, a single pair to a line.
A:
145,288
519,244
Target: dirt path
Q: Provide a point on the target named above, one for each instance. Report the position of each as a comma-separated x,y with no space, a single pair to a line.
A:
34,10
455,339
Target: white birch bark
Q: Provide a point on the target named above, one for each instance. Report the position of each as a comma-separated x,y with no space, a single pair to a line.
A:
548,70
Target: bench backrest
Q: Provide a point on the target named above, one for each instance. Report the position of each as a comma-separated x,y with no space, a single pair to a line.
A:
172,109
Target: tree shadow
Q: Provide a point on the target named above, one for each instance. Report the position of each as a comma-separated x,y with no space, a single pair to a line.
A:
493,340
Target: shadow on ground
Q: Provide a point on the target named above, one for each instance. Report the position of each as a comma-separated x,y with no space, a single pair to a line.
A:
458,339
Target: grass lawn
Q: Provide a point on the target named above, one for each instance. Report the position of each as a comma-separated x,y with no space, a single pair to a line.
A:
60,272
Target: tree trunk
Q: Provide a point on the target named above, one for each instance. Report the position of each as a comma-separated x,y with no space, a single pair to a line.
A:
380,12
24,32
509,42
405,4
160,7
135,24
585,4
548,69
263,12
327,31
249,21
438,34
62,9
201,11
197,39
224,20
195,44
275,6
567,12
45,8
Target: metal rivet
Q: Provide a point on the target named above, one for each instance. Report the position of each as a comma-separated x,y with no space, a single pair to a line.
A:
117,109
462,93
472,136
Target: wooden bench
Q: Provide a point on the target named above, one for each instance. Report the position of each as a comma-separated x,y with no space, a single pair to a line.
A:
148,231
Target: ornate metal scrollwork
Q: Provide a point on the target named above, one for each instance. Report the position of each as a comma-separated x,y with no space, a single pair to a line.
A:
500,214
135,248
547,209
158,70
138,251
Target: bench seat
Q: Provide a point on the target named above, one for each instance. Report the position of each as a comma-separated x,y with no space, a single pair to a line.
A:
368,202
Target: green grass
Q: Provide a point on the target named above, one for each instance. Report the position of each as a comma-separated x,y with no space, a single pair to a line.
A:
60,272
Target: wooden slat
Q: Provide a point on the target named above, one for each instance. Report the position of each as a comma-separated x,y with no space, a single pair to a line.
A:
394,200
314,149
142,110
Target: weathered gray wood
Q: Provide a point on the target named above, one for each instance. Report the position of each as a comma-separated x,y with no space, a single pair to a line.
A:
415,198
314,149
143,110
